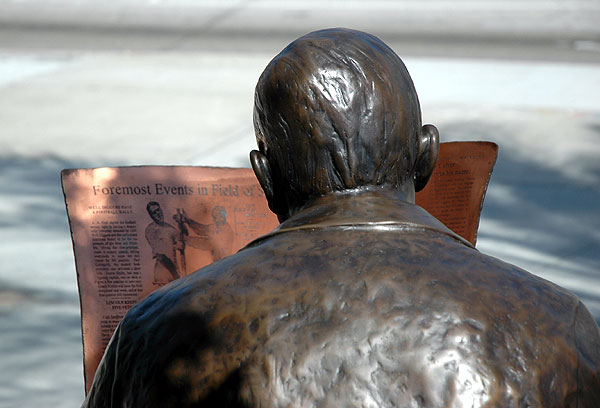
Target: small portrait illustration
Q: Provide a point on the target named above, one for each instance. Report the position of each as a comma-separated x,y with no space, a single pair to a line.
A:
166,242
216,237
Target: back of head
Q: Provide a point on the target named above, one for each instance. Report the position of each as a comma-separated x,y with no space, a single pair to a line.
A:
336,110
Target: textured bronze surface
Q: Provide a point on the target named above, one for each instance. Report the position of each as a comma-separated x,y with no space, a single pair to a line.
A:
359,298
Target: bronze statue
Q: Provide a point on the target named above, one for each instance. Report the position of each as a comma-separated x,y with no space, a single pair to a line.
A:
359,298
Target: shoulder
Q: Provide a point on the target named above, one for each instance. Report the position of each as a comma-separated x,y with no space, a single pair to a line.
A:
507,292
163,346
149,351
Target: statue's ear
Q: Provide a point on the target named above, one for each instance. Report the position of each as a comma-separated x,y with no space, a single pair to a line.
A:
263,173
429,148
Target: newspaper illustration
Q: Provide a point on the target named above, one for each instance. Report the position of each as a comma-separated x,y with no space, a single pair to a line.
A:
134,229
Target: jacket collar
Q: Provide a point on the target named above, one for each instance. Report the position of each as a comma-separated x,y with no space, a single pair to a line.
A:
376,210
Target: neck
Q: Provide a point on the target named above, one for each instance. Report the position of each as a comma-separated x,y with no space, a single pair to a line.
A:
405,193
379,208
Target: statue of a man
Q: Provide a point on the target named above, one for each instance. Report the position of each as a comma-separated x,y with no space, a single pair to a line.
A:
359,298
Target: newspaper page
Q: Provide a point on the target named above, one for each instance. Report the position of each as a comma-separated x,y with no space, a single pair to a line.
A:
135,229
455,192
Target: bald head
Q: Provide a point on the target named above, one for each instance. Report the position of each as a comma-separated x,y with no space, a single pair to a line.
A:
337,110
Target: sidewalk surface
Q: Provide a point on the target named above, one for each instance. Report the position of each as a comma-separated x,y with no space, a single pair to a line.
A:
87,84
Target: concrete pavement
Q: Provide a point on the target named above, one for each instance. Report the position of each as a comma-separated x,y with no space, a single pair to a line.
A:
564,30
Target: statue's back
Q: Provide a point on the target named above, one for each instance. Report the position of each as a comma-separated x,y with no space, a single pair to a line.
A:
394,316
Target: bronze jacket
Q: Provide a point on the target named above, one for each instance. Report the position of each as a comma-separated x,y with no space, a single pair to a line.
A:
355,302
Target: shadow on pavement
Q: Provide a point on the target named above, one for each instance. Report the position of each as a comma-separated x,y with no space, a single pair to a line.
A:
31,192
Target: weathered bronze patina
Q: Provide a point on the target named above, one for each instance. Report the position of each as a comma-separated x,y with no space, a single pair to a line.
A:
359,298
